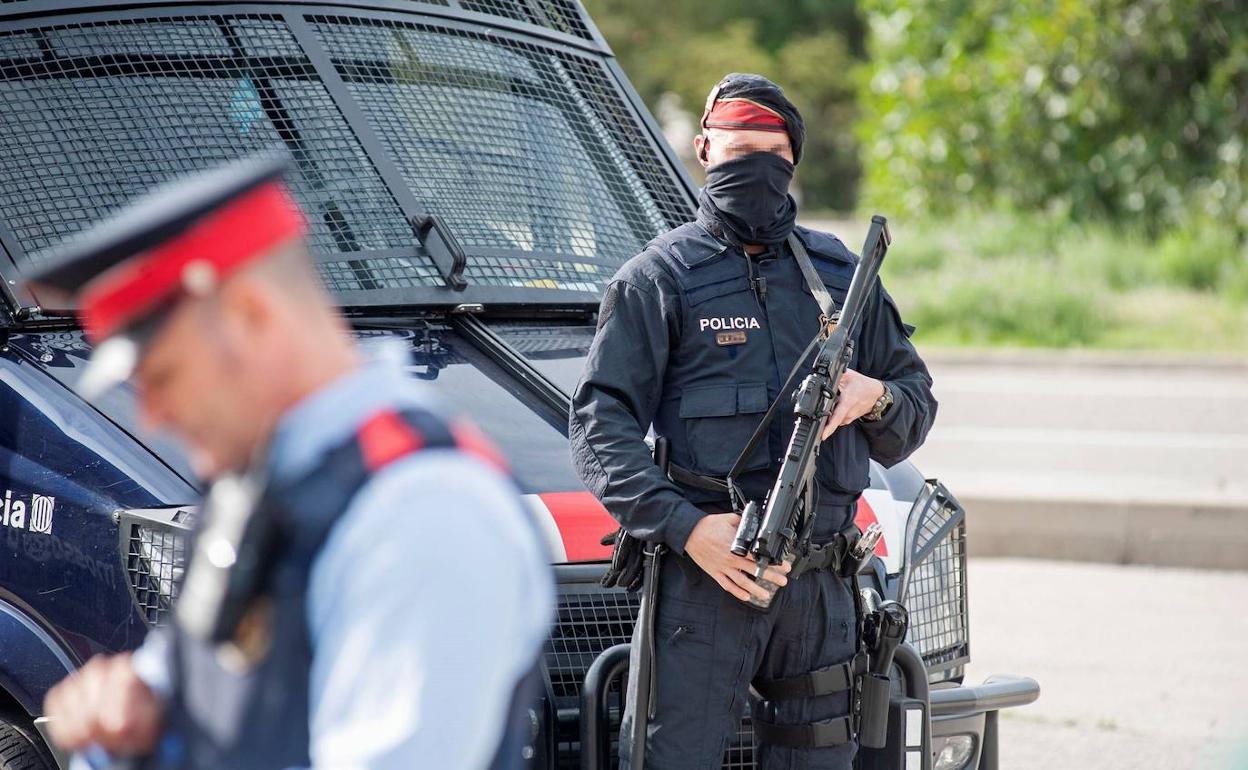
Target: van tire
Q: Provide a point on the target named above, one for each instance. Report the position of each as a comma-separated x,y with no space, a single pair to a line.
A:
21,747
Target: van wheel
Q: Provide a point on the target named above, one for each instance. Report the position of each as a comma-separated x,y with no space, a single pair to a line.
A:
21,747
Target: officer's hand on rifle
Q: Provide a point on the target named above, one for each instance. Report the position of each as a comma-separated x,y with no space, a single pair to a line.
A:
710,546
105,704
858,394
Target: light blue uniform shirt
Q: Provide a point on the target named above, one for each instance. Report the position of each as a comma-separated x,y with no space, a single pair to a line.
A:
429,601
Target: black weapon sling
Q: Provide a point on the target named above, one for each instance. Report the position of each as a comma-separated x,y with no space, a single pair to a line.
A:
826,311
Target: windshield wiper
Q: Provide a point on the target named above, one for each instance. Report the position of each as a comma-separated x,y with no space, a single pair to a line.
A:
513,363
447,254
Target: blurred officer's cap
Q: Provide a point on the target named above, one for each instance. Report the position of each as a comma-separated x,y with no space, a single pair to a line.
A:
181,239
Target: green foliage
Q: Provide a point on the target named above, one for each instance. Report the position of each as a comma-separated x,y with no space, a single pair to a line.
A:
1077,169
986,277
807,46
1010,302
1133,111
1200,259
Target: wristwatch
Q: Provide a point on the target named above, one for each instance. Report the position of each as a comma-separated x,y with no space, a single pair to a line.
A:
881,405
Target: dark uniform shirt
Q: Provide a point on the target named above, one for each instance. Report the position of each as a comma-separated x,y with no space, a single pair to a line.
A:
687,342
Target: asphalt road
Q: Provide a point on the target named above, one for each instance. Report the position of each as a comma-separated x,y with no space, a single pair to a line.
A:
1105,427
1158,428
1139,667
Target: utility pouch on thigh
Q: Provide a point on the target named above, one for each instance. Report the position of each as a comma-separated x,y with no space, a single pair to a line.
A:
873,726
884,629
839,677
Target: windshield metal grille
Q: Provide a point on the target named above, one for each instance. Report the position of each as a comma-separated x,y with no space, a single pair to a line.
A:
153,551
936,587
559,15
510,143
530,151
96,114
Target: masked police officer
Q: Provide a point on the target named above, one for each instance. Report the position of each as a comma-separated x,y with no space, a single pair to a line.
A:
328,617
695,336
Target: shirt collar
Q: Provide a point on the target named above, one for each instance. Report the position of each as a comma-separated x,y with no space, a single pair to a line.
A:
329,416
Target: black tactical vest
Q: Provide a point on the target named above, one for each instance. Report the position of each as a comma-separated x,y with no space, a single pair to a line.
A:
745,324
257,718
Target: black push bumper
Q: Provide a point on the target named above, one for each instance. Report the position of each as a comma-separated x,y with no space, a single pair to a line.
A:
968,713
925,723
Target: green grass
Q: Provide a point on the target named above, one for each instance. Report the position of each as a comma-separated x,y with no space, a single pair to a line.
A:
1001,279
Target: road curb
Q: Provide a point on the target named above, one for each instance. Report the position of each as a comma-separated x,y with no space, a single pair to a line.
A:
1167,534
1036,358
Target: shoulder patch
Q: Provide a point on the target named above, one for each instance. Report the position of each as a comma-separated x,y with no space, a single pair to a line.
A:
825,245
689,245
829,256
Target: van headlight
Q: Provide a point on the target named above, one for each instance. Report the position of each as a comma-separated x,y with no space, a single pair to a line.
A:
955,753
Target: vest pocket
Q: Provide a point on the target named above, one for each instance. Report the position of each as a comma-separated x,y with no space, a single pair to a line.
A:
719,420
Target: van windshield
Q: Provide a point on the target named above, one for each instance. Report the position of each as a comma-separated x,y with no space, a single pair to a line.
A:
529,151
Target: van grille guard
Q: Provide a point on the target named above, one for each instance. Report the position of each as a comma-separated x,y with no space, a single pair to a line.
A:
152,543
592,620
934,584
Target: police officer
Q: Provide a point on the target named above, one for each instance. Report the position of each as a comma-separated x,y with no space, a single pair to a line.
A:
695,336
368,640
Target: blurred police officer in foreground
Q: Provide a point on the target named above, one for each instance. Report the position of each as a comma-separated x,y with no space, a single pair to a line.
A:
328,617
695,336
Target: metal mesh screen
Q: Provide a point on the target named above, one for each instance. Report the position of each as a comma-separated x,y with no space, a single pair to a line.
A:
155,558
936,589
529,152
591,619
96,114
511,144
559,15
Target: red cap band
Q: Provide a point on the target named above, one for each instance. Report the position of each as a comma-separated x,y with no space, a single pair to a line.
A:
740,113
223,240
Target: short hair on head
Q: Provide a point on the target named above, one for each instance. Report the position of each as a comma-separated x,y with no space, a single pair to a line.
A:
290,267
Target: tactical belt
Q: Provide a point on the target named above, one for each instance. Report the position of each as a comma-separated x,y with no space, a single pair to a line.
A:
697,480
830,556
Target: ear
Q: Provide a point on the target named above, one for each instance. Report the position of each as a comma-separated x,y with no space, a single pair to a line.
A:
246,311
700,145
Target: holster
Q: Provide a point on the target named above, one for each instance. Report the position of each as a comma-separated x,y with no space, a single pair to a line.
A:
835,555
628,556
627,561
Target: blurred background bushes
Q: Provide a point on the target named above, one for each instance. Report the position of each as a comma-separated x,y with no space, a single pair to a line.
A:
1059,172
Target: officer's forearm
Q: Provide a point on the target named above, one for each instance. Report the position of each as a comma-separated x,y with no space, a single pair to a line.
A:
617,467
905,425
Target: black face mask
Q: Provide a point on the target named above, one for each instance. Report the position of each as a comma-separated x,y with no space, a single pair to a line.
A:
750,197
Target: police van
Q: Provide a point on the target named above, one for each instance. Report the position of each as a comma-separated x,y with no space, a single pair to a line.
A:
474,171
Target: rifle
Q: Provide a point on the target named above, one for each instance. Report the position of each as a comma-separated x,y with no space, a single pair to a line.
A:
787,519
